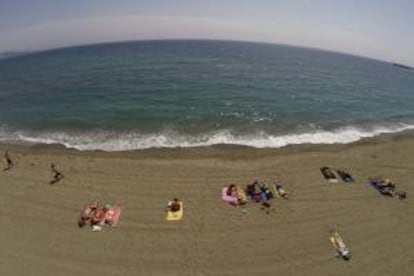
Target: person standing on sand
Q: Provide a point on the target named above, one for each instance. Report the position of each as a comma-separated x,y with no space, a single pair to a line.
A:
57,175
9,162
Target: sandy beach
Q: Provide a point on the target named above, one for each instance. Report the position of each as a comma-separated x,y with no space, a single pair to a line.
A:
39,234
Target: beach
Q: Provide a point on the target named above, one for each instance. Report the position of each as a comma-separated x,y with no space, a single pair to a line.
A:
40,236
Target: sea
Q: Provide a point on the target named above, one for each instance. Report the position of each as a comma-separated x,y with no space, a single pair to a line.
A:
190,93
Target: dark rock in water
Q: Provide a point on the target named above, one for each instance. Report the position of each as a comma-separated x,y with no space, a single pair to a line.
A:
402,66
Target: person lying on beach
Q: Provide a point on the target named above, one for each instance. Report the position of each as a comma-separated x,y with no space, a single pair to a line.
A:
387,188
174,206
328,174
87,214
387,183
339,244
233,195
281,191
266,192
259,192
389,191
254,192
345,176
232,191
401,195
382,183
9,162
98,215
57,175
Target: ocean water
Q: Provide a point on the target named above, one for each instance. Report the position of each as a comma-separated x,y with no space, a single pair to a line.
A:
183,93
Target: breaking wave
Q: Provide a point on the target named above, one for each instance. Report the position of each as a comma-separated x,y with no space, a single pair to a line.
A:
115,141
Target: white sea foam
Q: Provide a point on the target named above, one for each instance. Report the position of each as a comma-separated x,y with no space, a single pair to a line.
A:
113,141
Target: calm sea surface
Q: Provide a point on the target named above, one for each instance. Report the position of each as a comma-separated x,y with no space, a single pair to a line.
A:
134,95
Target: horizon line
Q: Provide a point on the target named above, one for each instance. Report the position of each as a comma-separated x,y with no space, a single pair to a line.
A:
14,54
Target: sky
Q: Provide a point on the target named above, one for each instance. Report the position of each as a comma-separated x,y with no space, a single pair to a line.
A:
381,29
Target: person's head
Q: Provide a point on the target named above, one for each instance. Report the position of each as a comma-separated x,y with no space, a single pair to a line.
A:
231,189
175,200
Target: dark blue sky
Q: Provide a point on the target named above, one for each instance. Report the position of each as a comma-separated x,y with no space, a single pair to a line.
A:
375,28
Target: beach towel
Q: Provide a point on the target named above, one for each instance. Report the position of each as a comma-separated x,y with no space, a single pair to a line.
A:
175,216
113,215
230,199
97,215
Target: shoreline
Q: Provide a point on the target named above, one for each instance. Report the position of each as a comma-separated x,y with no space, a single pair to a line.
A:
121,142
218,150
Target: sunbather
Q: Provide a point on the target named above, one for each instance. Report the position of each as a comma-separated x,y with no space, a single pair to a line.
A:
232,190
345,176
259,192
255,192
392,193
386,187
387,191
238,193
381,183
281,191
340,246
88,213
174,206
98,215
266,192
233,196
328,174
401,195
387,183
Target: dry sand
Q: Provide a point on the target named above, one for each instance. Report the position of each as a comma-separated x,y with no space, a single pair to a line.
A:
39,234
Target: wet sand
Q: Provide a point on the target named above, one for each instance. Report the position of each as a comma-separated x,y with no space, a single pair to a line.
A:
39,233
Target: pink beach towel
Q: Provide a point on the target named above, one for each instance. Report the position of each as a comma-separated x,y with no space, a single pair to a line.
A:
232,200
113,215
